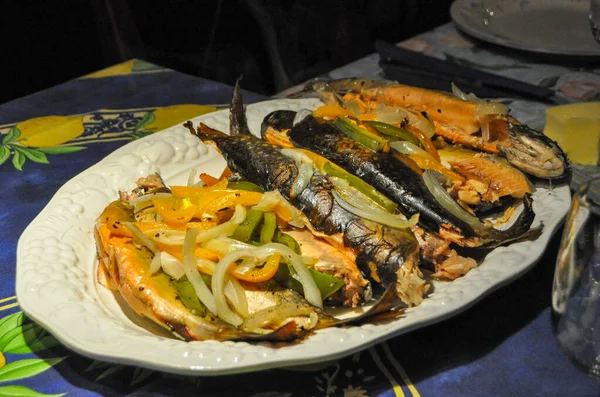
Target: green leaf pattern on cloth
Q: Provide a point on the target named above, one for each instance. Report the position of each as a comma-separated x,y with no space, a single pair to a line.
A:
25,368
23,391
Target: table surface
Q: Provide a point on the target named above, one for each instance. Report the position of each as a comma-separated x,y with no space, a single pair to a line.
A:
502,346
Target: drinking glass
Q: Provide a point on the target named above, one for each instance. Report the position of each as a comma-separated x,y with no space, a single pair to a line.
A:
594,17
576,288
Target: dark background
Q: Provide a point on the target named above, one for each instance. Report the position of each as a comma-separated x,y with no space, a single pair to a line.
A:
274,44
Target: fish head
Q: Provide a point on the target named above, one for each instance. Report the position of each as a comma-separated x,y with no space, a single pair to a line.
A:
534,153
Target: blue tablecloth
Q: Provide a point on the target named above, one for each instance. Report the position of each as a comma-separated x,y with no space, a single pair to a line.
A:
502,346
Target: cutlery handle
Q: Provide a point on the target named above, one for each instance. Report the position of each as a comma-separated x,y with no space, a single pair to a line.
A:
399,55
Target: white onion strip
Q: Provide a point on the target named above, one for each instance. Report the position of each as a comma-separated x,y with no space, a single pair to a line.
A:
272,199
442,196
189,265
148,197
225,228
191,177
396,221
305,170
156,264
236,295
218,287
405,147
279,314
141,237
311,292
225,245
171,265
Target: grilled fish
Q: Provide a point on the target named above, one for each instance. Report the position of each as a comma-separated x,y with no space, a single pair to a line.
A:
458,121
388,256
394,175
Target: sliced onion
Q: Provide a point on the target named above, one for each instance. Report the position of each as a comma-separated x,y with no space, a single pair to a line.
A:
272,199
225,245
485,107
225,228
353,107
141,237
424,125
463,95
167,237
301,115
155,265
355,206
391,115
430,177
148,197
218,287
192,177
405,147
189,265
276,316
491,108
305,170
235,293
311,292
171,265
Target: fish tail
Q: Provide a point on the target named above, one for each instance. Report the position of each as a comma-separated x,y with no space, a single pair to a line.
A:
238,125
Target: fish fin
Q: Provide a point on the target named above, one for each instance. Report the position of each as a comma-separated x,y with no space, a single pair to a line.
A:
204,132
238,125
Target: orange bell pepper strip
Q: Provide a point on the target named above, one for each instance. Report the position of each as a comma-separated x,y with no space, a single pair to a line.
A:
200,252
426,163
331,112
258,274
425,142
230,200
208,179
189,191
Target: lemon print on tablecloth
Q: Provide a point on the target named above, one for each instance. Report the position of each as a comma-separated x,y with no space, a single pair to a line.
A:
169,116
36,138
33,139
127,67
50,130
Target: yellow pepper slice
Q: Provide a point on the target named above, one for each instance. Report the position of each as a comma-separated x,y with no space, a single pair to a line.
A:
258,274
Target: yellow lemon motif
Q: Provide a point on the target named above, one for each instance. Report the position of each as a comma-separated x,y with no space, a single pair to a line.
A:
50,130
116,70
172,115
2,360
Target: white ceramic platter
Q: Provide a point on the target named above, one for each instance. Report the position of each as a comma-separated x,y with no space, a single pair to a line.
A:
558,27
56,268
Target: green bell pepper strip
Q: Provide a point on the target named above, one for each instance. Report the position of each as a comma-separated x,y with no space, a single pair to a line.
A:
326,283
188,296
360,185
369,139
268,228
396,132
287,240
244,185
246,229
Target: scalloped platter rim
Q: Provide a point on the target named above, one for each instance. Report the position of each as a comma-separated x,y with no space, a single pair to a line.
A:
56,268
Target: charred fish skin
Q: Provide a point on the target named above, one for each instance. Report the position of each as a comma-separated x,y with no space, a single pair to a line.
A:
399,182
381,251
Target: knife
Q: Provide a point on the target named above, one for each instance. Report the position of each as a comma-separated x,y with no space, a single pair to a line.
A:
460,74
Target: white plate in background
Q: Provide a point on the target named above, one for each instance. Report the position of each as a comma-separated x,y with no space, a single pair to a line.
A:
559,27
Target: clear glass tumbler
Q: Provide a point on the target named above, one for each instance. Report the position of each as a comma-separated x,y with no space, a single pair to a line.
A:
576,289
